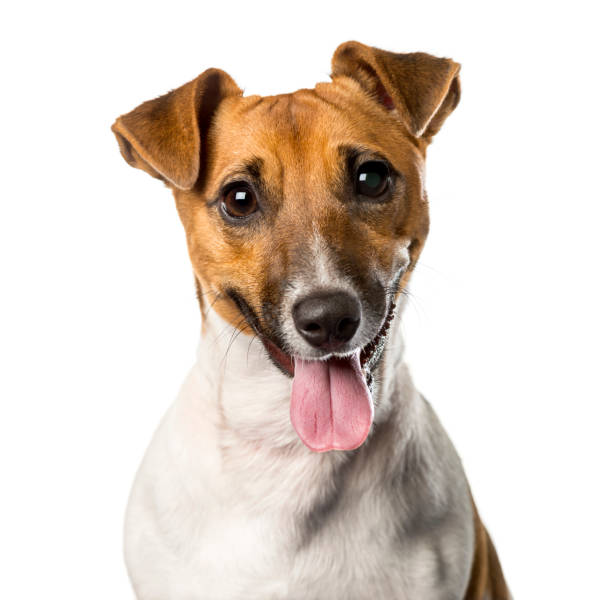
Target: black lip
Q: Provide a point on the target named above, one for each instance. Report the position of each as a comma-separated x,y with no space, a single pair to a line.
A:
244,307
270,342
370,357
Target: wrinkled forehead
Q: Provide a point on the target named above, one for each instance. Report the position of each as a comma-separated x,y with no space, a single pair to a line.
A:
303,135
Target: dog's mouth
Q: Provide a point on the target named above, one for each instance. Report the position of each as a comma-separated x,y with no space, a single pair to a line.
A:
331,399
369,355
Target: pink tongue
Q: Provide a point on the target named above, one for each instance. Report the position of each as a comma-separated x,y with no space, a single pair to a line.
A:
331,406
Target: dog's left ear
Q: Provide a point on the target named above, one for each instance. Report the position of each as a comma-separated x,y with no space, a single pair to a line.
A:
164,137
422,88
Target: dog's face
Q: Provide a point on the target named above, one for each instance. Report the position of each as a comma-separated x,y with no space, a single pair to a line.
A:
313,206
304,212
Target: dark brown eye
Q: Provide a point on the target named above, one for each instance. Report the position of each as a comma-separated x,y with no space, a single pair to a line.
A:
239,202
372,179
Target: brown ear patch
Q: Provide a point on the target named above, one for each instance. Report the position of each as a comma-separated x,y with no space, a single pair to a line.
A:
423,88
163,136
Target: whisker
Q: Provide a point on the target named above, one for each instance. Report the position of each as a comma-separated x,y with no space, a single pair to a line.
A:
217,297
249,348
241,326
418,306
433,269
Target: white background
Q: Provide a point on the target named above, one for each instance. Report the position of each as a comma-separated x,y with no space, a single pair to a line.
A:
508,333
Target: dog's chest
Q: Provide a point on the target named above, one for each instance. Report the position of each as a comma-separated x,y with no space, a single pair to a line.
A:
259,558
240,556
230,554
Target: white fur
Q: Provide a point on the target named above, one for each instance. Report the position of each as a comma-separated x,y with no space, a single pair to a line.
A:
220,506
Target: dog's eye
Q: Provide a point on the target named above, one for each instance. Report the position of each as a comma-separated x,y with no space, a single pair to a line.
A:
239,202
372,179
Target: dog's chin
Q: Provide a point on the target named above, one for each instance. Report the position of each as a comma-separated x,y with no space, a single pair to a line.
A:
369,355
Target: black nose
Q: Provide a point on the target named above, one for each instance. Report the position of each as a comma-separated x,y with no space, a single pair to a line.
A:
327,320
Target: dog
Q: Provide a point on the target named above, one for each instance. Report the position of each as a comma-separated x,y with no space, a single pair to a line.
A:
298,461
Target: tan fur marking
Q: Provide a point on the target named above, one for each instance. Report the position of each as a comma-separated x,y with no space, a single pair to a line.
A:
487,579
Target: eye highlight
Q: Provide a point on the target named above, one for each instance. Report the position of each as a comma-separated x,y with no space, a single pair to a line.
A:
239,202
372,179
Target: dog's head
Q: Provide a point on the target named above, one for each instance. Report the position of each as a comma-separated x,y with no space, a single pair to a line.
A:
304,212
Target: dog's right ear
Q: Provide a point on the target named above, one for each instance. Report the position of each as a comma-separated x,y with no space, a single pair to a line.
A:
164,136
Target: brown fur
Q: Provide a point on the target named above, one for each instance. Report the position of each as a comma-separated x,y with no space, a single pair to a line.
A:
293,148
487,578
298,189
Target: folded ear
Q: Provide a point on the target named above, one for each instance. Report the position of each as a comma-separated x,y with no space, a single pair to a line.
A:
163,136
424,89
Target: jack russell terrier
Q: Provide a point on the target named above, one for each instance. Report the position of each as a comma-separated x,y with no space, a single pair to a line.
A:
298,461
